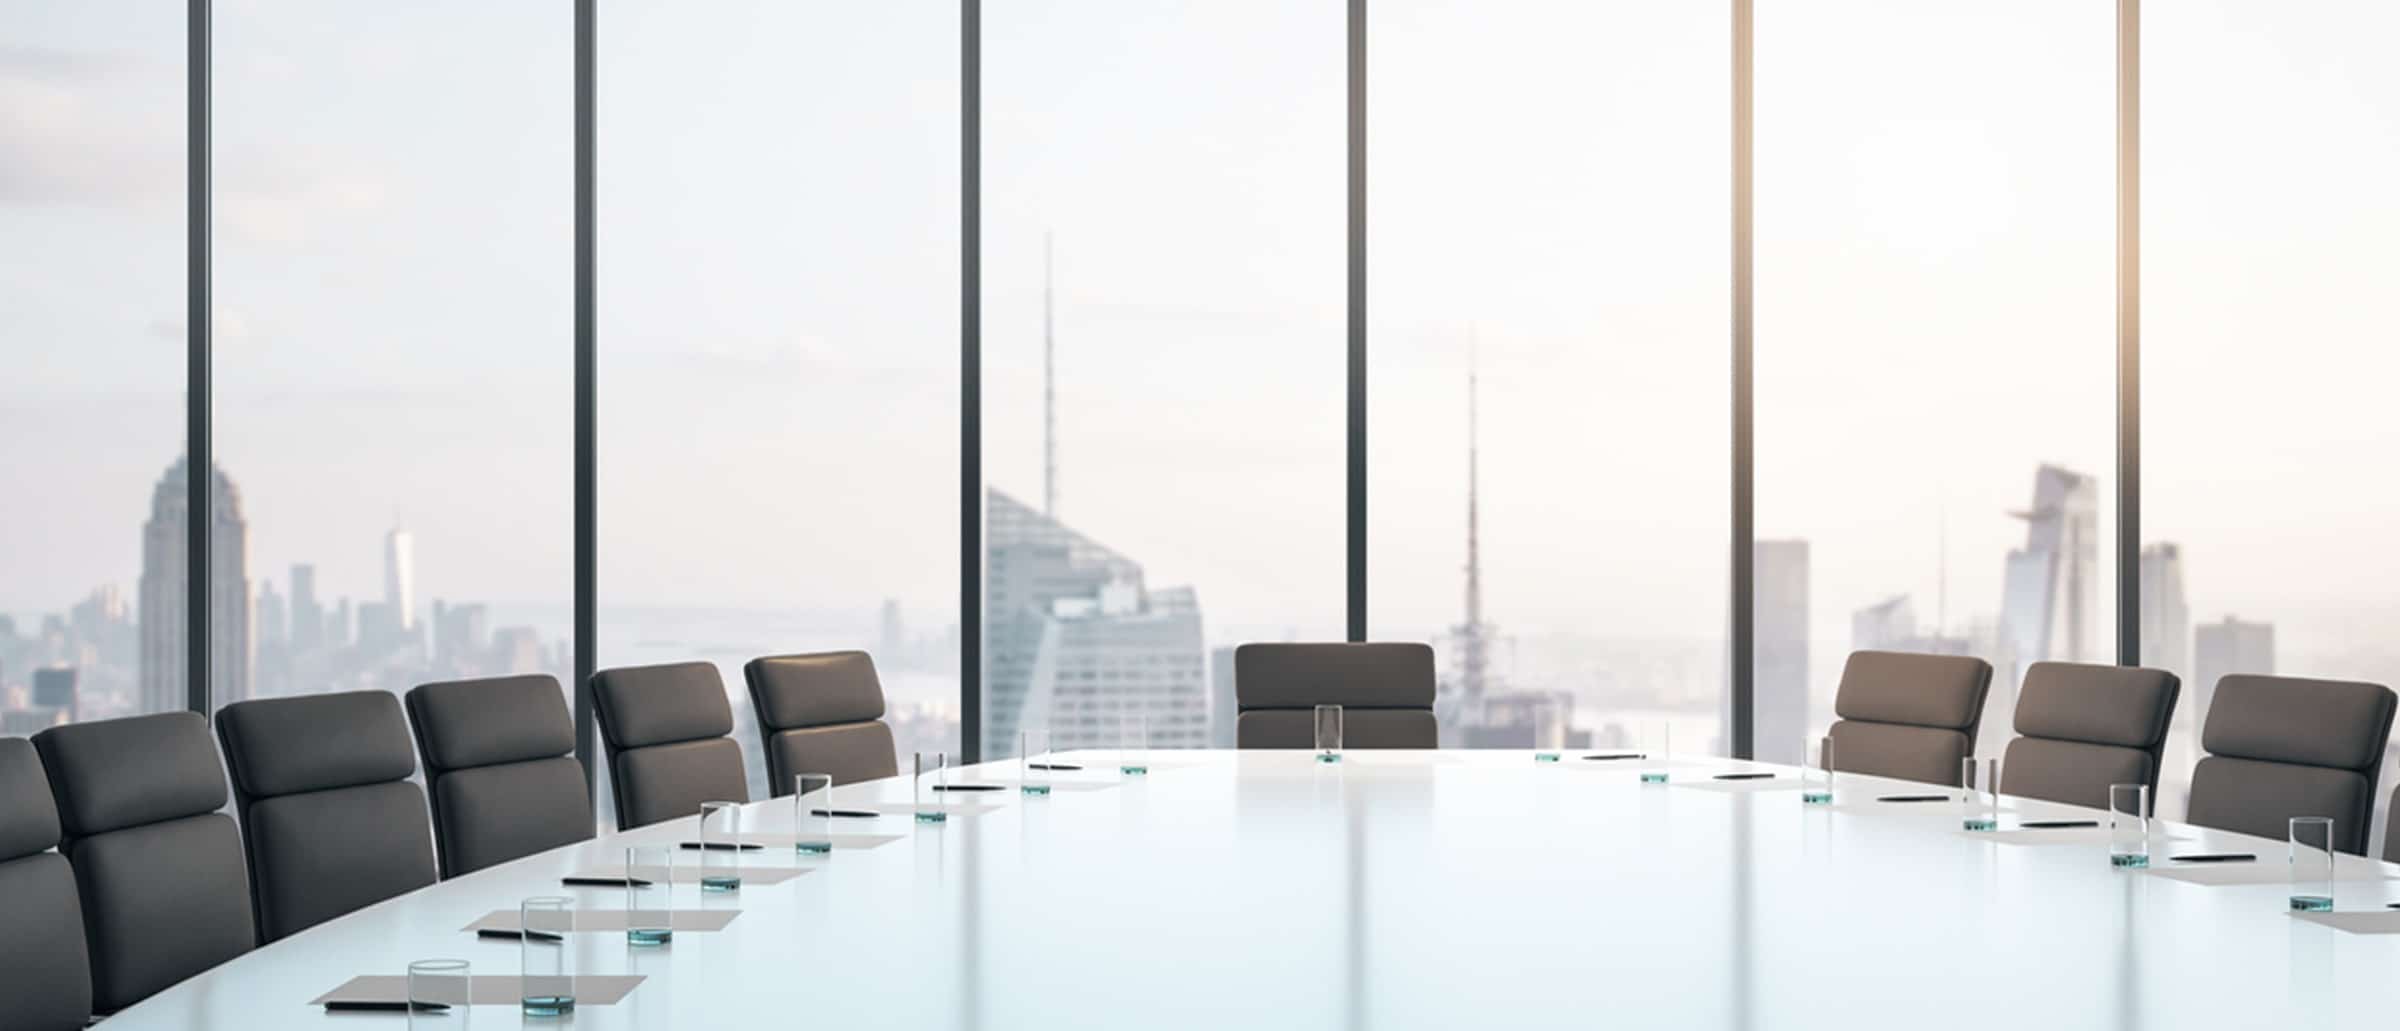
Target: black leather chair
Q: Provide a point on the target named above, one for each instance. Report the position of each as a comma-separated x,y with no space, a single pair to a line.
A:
158,869
665,730
500,768
2280,747
1908,716
45,967
821,713
330,820
1385,691
2084,727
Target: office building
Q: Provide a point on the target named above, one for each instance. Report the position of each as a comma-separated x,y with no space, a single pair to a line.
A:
2166,618
308,615
400,578
1781,698
2227,646
2050,595
162,620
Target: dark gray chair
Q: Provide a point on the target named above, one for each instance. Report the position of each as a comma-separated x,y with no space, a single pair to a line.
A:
158,869
2280,747
821,713
2083,727
665,730
1908,716
330,819
45,967
1385,691
500,769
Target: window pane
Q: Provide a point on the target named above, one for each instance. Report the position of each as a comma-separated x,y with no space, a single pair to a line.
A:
394,342
1551,202
91,411
1935,343
2267,348
1163,261
778,220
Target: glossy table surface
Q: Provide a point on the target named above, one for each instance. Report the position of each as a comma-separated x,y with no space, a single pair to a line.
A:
1395,890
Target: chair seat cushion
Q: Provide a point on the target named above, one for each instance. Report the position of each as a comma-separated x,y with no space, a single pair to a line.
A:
2071,772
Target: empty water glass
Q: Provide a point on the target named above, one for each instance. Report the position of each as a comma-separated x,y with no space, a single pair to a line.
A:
437,988
1816,779
720,846
649,895
2129,825
1032,761
1979,803
1658,749
2311,853
812,833
1549,731
1135,761
1329,733
916,787
547,976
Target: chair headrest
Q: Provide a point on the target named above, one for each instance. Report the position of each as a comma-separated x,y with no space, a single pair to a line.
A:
1944,691
112,774
2336,723
28,815
816,690
640,706
2103,705
485,722
284,746
1372,675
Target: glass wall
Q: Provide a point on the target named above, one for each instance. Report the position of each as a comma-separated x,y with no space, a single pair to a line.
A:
2267,348
92,304
1163,357
394,361
1935,343
778,344
1549,361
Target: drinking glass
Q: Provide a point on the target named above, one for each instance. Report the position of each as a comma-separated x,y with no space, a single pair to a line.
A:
1658,748
436,987
1329,733
1036,775
2129,825
1136,760
812,834
1549,732
649,878
547,978
916,788
1979,802
1816,779
720,850
2312,864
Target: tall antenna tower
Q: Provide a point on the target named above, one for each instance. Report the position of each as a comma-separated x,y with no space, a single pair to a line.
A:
1474,644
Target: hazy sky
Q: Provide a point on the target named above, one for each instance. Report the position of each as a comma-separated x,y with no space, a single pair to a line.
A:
778,230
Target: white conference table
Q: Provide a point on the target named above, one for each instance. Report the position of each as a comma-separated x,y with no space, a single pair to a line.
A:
1395,890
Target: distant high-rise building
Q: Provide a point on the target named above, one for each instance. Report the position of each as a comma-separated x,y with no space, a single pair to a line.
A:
400,577
892,652
54,688
2166,617
272,674
338,633
162,593
2231,646
2049,607
1224,709
271,625
308,616
1779,661
1889,625
460,636
516,649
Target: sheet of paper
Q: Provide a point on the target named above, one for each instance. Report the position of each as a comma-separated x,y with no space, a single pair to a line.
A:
484,990
616,920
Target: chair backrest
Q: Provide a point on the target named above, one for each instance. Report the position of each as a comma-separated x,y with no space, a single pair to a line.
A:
2280,747
1385,691
500,769
2084,727
45,967
664,728
158,869
821,713
330,820
1908,716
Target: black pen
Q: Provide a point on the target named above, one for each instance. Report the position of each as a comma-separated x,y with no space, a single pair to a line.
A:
383,1006
2044,825
1914,798
1605,758
1745,776
1055,766
605,882
2216,857
855,814
723,846
508,935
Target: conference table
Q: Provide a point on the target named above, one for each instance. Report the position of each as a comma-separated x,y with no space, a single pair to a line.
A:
1451,889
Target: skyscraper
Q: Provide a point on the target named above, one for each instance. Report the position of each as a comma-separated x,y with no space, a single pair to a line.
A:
2166,617
2230,646
1887,625
308,615
1780,702
2049,605
400,578
164,561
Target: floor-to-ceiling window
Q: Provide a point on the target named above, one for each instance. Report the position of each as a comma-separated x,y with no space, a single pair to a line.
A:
1163,356
1549,194
778,344
92,341
393,350
2269,149
1935,342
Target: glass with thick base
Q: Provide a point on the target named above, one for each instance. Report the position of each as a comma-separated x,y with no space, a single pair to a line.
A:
1658,749
812,794
1549,730
1329,733
439,992
916,786
2129,826
1979,794
546,974
720,846
1134,758
2311,853
1816,779
649,895
1033,764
